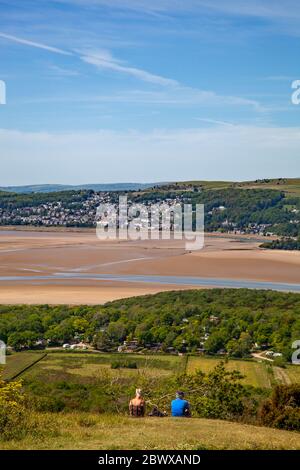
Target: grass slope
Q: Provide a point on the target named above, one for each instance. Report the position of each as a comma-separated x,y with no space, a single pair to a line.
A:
105,432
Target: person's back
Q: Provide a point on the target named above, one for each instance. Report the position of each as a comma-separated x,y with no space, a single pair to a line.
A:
137,405
180,407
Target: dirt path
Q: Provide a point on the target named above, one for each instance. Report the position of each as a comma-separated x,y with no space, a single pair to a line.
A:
260,356
281,376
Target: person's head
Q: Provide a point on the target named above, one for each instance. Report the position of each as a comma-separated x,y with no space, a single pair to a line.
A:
180,395
138,393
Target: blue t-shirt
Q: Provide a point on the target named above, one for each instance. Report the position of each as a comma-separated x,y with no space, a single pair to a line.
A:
179,406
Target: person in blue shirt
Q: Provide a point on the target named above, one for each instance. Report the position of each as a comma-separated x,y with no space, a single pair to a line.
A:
180,407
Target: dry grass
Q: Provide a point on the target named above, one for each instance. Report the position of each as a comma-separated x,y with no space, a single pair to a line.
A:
293,372
90,431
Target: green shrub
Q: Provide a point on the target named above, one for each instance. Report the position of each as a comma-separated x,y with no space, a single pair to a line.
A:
124,365
52,404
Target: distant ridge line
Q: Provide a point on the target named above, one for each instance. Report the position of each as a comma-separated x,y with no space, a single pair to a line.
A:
48,188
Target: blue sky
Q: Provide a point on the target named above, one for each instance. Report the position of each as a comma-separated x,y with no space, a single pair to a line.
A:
128,90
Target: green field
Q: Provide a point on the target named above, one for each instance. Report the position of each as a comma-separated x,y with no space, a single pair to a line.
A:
93,365
256,373
86,366
18,362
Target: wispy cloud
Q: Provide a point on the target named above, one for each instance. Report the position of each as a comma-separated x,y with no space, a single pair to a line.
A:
256,8
177,93
275,15
269,9
216,122
175,96
62,72
104,60
37,45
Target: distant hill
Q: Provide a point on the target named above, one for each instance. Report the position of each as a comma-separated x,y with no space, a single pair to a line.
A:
50,188
288,185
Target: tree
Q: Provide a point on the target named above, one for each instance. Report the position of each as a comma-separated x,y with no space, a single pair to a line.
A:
15,340
80,325
102,341
215,342
116,331
240,347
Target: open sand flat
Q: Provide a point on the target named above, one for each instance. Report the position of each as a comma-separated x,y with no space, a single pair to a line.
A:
25,254
260,265
76,294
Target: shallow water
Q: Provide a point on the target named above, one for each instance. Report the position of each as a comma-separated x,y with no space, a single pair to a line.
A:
152,279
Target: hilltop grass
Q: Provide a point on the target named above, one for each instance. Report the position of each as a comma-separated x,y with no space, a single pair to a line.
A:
106,432
290,186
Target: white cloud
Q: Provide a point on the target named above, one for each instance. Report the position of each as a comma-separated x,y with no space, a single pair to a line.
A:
220,152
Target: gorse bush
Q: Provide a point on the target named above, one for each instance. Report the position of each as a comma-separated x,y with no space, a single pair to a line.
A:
282,410
12,409
17,419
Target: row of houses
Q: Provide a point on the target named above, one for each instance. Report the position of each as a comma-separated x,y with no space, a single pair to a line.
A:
56,213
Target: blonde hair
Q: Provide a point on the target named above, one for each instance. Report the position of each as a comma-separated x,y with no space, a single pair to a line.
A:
138,392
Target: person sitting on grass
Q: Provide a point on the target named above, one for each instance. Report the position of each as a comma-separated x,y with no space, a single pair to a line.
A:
137,405
180,407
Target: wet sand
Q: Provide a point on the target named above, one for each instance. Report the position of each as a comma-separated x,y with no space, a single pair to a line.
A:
91,294
38,253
